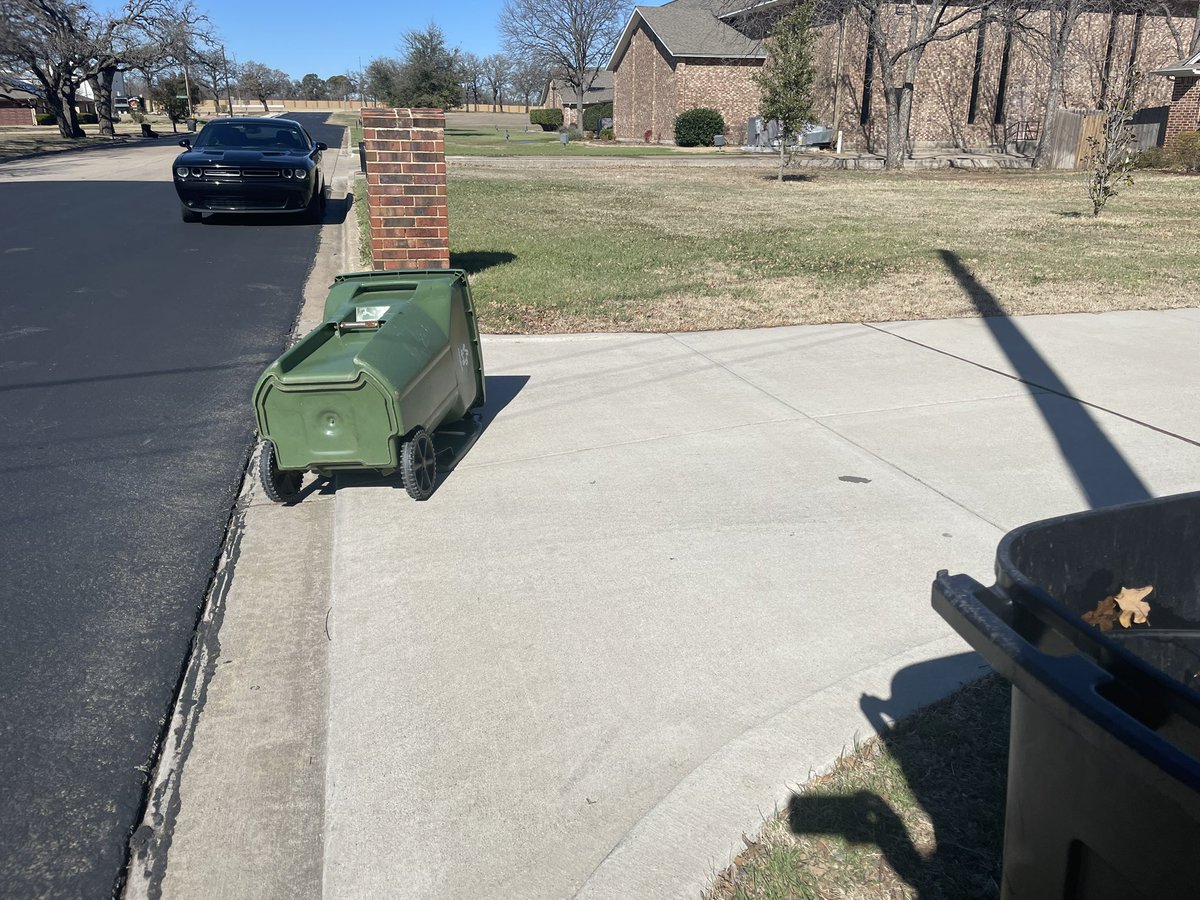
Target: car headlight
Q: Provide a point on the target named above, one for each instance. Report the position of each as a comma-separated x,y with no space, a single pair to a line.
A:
196,173
301,174
182,171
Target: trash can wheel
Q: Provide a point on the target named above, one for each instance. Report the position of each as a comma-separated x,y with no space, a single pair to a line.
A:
282,487
418,465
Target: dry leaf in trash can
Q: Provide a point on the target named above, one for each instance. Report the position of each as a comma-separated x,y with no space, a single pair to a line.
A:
1133,607
1104,616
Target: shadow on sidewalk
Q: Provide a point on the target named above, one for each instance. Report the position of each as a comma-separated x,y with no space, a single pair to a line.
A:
452,442
952,756
1102,473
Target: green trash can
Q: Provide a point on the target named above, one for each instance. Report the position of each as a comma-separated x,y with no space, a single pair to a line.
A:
396,358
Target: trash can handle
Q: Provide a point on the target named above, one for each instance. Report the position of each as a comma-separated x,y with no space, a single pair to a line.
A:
978,614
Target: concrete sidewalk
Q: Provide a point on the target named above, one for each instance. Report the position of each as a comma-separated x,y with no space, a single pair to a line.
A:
678,573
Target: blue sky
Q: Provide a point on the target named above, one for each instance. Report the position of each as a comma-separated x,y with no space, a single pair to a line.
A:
330,38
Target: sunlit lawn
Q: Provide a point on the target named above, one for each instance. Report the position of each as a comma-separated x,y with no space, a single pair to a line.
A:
662,247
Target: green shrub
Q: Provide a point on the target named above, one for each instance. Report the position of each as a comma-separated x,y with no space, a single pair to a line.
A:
594,113
88,119
697,127
572,132
1152,158
1185,151
549,119
137,116
46,119
606,134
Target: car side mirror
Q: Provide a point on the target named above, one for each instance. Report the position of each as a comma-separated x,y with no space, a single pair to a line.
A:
321,145
185,143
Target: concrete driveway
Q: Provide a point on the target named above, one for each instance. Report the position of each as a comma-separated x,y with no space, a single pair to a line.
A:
677,573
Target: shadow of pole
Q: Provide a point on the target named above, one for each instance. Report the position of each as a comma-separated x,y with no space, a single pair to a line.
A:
1102,473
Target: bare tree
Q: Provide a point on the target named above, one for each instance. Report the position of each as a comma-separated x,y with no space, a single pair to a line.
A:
1185,35
1052,30
528,78
1111,163
575,38
212,72
497,69
63,43
186,33
261,82
470,71
898,58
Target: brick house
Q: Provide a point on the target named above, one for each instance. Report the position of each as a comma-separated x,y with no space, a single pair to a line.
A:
17,101
676,57
560,94
1185,95
985,88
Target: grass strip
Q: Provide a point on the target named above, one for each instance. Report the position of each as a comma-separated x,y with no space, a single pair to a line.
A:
916,812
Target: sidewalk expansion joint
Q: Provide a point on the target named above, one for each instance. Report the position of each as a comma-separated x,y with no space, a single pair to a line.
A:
1040,387
822,423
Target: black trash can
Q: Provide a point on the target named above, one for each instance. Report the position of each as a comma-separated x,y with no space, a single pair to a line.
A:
1104,758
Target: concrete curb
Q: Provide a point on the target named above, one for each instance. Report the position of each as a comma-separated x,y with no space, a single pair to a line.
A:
151,843
694,832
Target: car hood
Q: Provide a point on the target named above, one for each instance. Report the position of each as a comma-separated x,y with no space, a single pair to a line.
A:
206,157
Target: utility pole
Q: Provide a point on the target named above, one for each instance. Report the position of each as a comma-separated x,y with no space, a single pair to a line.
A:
187,88
228,95
839,77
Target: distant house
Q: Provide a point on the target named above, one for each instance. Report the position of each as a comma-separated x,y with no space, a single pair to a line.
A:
676,57
17,102
984,88
560,94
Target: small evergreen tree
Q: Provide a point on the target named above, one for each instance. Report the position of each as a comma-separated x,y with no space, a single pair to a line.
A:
786,81
429,78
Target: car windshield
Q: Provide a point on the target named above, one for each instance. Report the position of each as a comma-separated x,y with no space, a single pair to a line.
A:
266,135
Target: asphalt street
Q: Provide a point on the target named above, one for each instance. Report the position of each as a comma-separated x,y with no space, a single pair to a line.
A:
129,344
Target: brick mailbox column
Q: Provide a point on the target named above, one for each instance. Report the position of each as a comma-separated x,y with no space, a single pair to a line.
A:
406,187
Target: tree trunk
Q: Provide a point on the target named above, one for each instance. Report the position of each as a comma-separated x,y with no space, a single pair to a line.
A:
263,101
1041,157
104,111
893,157
1059,35
782,144
63,104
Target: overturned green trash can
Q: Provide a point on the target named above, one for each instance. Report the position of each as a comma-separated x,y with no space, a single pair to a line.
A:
396,358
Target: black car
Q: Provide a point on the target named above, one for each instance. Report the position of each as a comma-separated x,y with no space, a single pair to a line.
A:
250,165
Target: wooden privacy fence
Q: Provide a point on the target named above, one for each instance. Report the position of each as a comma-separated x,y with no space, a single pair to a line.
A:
241,106
487,108
1070,147
1069,143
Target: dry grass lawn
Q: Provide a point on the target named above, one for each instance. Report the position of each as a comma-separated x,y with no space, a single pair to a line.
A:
20,141
622,247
